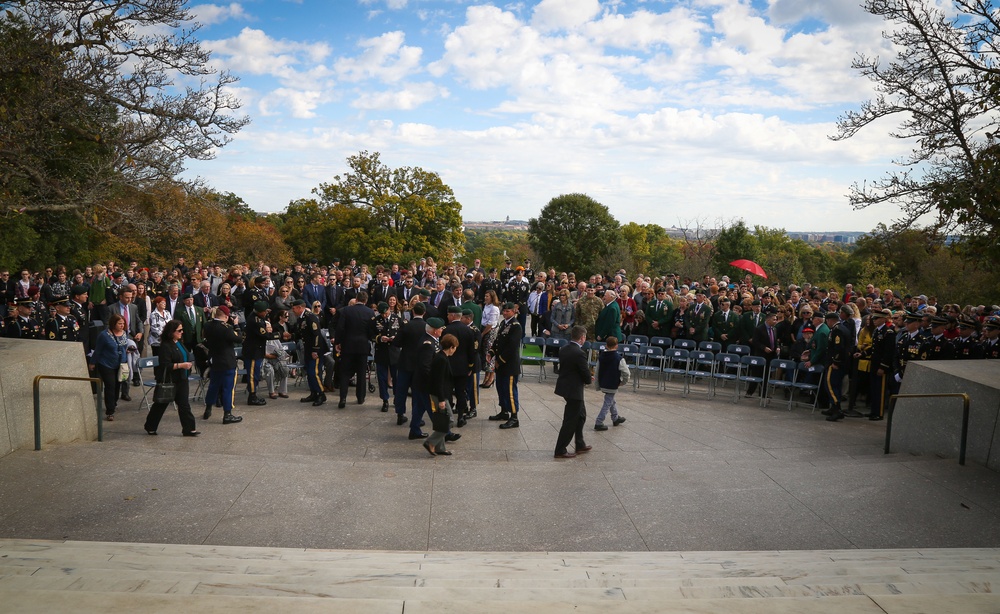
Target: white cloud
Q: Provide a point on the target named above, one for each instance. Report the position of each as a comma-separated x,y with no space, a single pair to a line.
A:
208,14
301,103
563,14
407,97
385,58
254,52
394,5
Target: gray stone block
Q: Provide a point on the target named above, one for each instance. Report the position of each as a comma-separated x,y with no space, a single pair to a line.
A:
68,408
934,425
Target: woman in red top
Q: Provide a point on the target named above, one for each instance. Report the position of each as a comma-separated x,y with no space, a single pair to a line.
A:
628,307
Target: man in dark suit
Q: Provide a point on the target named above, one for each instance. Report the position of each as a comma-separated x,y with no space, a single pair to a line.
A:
463,361
406,290
353,336
764,343
749,322
381,290
574,375
205,299
408,341
315,291
194,323
725,325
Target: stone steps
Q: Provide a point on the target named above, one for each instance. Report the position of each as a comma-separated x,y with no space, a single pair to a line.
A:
53,576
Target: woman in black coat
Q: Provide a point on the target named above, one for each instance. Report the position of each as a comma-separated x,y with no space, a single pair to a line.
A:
175,365
439,386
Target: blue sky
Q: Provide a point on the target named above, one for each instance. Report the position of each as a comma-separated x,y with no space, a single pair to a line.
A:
666,111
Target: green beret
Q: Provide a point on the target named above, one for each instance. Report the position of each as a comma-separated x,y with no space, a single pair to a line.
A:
78,290
425,292
297,302
261,306
467,312
383,306
435,323
186,296
454,309
507,305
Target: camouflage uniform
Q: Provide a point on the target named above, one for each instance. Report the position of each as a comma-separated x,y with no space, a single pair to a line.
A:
587,310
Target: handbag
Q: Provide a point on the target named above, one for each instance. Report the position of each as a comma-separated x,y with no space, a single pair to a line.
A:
123,372
164,391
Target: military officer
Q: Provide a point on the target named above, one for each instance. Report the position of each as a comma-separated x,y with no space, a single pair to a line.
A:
725,325
588,307
991,338
64,326
749,322
967,344
490,283
908,344
314,347
472,388
463,361
699,318
21,325
506,275
258,333
881,355
937,346
517,291
257,292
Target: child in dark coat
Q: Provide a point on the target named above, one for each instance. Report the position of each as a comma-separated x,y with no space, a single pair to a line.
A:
612,372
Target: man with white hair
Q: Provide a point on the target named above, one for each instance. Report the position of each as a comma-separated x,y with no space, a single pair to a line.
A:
609,321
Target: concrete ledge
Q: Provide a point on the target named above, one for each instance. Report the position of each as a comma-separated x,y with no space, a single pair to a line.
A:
67,408
934,426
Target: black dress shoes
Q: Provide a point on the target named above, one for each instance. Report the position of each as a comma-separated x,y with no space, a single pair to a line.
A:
419,435
208,413
385,406
452,436
443,452
342,404
256,400
600,427
401,419
510,424
501,416
190,433
461,422
309,399
565,455
430,450
835,416
125,396
618,421
231,419
319,400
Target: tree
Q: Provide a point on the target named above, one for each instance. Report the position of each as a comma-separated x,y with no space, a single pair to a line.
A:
698,248
382,213
574,232
735,242
102,95
944,86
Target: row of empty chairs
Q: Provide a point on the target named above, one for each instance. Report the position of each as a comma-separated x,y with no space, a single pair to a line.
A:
678,364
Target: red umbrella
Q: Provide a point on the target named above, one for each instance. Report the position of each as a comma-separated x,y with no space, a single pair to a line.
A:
749,266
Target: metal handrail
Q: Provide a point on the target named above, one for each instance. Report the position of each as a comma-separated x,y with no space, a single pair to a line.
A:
965,417
38,404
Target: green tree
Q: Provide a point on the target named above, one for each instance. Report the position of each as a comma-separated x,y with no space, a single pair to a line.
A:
574,232
381,213
735,242
944,87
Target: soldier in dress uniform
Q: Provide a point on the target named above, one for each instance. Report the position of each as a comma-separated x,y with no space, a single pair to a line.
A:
22,325
256,293
490,283
908,345
881,354
472,388
517,292
64,326
506,274
463,361
659,314
967,344
314,347
529,273
937,346
991,338
258,333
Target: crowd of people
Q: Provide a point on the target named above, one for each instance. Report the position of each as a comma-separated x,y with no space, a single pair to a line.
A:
437,335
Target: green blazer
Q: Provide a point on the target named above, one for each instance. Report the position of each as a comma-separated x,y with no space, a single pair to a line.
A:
194,332
609,322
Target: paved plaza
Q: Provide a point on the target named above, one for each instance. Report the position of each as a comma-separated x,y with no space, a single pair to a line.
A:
681,474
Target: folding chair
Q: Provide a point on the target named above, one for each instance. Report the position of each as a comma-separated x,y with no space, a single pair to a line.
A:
675,362
804,386
745,378
150,362
538,342
663,343
710,346
637,339
290,347
632,357
787,367
556,344
651,362
685,344
726,369
739,350
593,349
701,367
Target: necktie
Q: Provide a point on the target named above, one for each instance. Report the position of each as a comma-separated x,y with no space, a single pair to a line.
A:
125,314
191,314
657,305
770,335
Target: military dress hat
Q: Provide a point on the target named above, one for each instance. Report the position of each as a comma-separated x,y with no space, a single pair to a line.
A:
940,321
224,309
493,269
296,303
882,313
23,301
967,323
261,306
78,290
60,301
435,323
454,309
913,317
992,323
